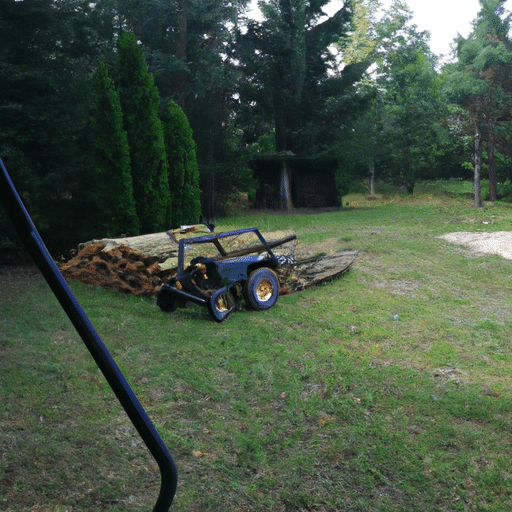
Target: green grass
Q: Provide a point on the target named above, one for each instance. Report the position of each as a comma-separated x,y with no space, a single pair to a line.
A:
387,389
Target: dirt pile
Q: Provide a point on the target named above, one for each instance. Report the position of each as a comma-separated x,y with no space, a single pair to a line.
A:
498,242
120,268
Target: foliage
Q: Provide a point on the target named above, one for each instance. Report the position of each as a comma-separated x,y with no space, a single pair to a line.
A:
113,188
397,131
264,145
359,87
183,168
44,110
480,83
291,73
415,106
362,148
140,103
189,48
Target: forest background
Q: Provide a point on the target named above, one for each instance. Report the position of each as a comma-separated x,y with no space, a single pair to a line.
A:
360,88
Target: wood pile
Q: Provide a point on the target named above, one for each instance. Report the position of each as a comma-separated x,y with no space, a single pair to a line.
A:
165,245
120,266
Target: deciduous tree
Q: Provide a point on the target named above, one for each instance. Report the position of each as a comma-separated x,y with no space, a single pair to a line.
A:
415,107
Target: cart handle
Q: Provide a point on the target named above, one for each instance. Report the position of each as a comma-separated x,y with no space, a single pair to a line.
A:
39,253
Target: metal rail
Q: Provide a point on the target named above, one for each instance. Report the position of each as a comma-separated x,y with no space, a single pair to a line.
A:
39,253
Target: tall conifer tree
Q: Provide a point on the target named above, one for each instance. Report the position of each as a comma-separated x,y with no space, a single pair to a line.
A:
183,168
140,103
113,188
480,83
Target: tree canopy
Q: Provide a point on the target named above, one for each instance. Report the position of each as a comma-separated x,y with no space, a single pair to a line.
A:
358,90
480,82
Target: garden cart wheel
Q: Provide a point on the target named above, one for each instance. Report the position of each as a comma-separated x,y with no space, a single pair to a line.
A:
165,300
221,305
262,288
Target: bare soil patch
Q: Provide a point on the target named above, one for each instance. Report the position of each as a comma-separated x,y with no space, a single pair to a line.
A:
498,242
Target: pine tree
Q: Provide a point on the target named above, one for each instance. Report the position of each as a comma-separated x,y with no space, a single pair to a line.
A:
480,83
140,103
113,188
183,168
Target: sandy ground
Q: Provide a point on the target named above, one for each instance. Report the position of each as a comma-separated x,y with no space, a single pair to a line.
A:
499,242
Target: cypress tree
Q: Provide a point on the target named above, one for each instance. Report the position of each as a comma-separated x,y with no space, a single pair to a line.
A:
113,189
183,167
140,103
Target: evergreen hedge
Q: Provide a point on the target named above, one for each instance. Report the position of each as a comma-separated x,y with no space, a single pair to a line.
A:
183,167
140,102
112,188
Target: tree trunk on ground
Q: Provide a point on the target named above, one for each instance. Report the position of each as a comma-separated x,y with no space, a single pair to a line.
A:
165,245
493,178
477,168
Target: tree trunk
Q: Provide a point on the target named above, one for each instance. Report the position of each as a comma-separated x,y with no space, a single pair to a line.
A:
211,174
477,168
493,177
279,124
410,173
181,52
165,245
285,195
372,180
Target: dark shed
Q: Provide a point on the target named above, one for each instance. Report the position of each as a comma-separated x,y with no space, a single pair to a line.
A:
287,181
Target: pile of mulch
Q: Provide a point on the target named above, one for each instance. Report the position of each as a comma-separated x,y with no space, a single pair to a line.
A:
120,268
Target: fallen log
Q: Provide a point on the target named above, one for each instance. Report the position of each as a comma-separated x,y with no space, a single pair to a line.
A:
162,245
165,245
259,247
125,269
313,271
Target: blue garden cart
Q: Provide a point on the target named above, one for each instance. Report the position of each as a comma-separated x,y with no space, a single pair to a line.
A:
222,281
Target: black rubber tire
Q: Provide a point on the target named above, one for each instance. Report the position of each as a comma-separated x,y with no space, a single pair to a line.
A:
165,300
262,288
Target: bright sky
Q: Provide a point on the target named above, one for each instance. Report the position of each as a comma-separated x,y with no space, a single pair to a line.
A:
444,19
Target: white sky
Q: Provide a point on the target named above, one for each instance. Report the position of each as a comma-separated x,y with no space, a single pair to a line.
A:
443,19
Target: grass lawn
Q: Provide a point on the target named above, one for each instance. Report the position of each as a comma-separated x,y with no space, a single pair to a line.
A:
388,389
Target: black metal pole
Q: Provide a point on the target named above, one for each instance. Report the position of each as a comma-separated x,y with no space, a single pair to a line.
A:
39,253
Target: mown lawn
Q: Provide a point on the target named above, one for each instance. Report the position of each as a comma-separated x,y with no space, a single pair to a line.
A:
387,389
